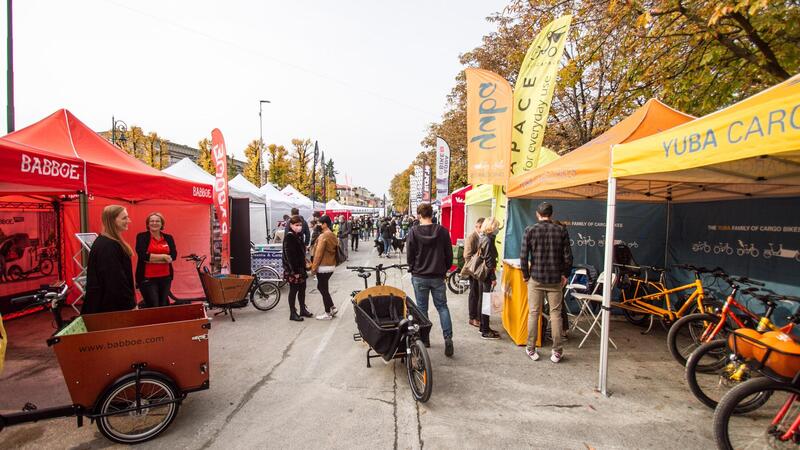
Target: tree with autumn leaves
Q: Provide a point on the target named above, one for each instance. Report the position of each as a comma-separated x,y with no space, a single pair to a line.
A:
697,56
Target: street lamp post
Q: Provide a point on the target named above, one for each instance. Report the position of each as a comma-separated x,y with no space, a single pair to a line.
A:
118,126
261,142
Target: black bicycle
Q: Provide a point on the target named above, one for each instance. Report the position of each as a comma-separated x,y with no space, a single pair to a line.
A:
393,326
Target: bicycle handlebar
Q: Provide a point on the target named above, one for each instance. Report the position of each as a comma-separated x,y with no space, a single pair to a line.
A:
376,268
24,299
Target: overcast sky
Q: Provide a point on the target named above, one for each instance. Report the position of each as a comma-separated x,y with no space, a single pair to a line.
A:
364,78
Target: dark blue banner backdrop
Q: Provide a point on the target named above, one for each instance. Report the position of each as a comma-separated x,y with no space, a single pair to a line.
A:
641,225
757,238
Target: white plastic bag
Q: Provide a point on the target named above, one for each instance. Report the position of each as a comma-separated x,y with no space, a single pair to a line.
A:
486,303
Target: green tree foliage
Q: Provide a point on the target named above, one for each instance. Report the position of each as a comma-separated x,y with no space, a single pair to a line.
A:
300,170
251,169
697,56
279,165
204,158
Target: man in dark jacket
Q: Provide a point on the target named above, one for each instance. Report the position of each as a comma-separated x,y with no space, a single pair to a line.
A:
387,233
355,232
429,257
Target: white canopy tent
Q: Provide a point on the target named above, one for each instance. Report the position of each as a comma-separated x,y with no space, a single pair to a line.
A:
279,204
188,170
259,212
303,203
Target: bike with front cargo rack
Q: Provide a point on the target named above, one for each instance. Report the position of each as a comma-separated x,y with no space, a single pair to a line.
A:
393,327
128,371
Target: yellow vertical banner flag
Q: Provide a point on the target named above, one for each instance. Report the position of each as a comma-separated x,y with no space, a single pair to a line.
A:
488,127
533,94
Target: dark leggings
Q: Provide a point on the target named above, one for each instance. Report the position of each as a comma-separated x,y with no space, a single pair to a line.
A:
322,286
354,242
297,291
486,286
475,292
155,291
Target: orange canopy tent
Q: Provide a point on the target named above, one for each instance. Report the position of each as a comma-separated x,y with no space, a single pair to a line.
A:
582,173
62,161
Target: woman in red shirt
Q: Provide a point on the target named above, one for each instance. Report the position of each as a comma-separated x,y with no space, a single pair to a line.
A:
155,251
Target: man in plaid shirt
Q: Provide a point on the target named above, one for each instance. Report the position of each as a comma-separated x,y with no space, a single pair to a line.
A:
546,260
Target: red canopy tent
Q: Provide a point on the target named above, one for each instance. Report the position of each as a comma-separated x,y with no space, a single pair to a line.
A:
62,158
453,211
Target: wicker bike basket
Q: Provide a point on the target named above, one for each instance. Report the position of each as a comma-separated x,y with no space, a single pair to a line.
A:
226,289
774,350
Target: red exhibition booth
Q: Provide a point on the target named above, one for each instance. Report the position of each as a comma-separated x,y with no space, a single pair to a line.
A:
454,213
59,164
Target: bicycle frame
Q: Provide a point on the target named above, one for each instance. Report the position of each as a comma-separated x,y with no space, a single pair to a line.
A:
640,303
781,414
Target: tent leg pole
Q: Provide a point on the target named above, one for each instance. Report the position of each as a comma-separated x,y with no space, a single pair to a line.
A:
608,267
666,237
83,202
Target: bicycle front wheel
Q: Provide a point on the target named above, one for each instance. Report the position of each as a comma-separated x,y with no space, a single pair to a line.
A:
420,375
265,296
454,283
685,334
710,386
766,427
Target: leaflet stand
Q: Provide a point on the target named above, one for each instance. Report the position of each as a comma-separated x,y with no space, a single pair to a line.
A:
86,240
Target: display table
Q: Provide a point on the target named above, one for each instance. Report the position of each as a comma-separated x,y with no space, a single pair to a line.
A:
271,255
515,307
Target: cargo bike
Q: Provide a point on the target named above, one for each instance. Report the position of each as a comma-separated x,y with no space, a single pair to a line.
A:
228,292
393,327
128,371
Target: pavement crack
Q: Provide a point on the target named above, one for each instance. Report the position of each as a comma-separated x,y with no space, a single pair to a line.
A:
557,406
394,405
380,400
419,428
251,392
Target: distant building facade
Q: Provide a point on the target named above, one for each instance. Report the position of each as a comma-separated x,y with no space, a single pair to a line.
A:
356,196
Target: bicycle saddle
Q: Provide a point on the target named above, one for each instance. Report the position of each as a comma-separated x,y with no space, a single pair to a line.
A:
364,275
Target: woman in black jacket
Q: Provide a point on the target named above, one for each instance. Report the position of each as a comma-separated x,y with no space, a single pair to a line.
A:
155,251
109,278
489,255
295,267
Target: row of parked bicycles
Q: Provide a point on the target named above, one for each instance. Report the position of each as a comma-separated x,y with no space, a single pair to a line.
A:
738,361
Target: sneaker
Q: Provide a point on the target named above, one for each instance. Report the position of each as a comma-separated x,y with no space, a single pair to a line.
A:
448,347
532,354
334,311
491,335
326,316
555,357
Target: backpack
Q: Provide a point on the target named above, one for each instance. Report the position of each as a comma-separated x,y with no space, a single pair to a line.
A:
340,254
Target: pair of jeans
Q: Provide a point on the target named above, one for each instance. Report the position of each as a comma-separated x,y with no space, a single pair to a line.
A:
155,291
297,291
536,295
354,242
474,298
437,289
387,245
322,287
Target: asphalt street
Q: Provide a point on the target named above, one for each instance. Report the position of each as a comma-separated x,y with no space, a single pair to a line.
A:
282,384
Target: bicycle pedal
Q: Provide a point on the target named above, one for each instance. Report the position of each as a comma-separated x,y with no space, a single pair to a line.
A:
29,407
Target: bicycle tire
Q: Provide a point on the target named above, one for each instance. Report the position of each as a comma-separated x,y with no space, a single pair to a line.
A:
454,283
684,326
721,377
265,296
118,396
267,273
636,318
419,355
727,408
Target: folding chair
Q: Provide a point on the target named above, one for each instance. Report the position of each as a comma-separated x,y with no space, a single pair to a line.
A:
576,287
586,309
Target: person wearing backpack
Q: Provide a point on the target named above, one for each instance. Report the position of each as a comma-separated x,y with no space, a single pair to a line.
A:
324,264
429,257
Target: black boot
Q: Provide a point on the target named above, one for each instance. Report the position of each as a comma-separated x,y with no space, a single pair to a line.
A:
295,317
303,311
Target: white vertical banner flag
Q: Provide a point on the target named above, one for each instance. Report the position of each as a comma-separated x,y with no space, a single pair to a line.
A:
442,169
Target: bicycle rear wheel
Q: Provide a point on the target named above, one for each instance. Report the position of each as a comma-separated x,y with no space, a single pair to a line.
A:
454,283
420,375
684,336
265,296
267,273
765,427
